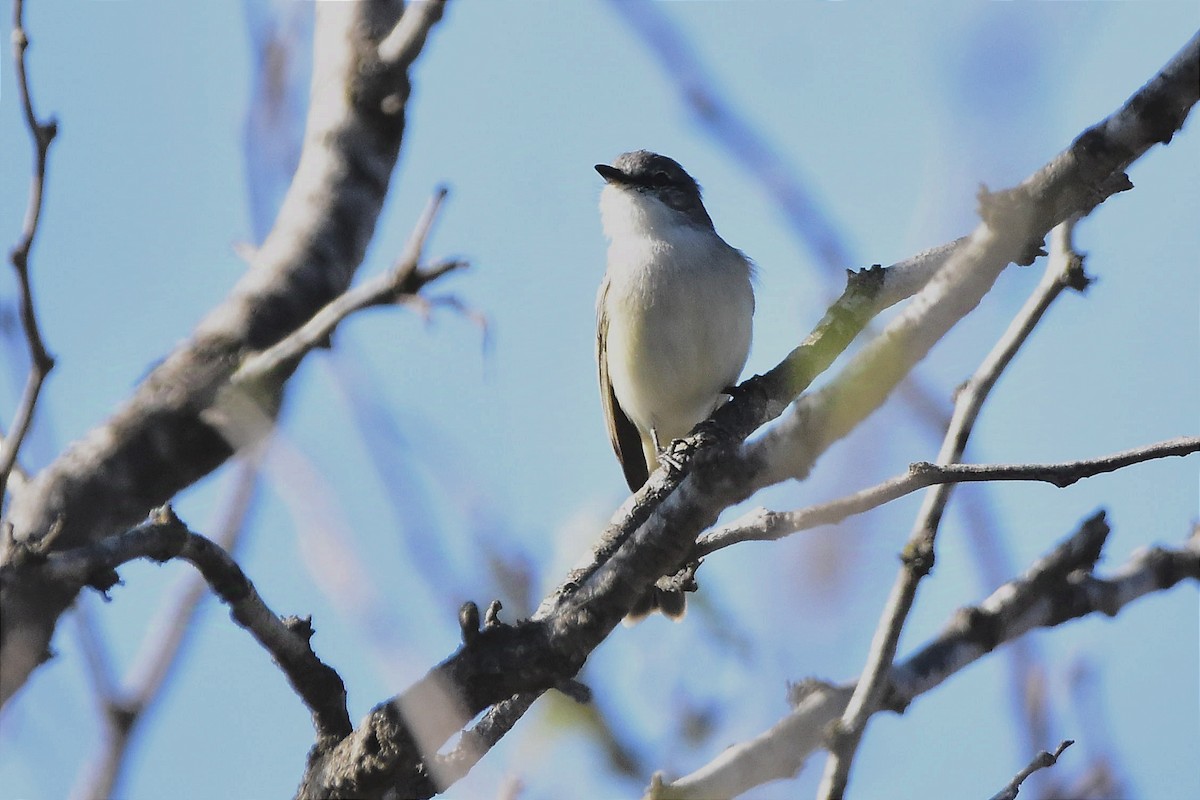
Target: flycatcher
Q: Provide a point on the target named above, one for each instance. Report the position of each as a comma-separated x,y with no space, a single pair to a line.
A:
673,313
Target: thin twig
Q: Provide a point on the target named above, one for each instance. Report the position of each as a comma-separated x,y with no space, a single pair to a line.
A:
405,278
1042,760
41,362
244,409
763,525
990,550
918,554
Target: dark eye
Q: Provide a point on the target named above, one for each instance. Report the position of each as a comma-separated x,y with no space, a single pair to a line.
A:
660,178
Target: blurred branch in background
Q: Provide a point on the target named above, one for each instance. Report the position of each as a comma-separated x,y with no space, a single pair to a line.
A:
740,138
1101,776
280,38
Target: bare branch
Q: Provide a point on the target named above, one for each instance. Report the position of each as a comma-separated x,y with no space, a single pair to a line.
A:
97,779
1015,223
1010,221
41,362
125,708
162,538
653,533
918,554
1058,588
1042,760
763,525
160,441
405,278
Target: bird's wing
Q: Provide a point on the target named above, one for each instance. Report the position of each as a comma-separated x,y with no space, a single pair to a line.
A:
622,433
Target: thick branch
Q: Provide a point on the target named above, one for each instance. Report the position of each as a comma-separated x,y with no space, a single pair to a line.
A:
654,533
160,442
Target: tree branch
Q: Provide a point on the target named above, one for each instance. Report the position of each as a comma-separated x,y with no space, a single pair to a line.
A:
1015,223
762,525
654,532
41,362
1056,589
127,705
1042,760
163,537
244,410
159,442
405,278
918,554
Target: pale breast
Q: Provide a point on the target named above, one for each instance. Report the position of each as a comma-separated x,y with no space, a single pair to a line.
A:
680,310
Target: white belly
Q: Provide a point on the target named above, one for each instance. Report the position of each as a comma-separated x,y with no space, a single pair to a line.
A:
679,326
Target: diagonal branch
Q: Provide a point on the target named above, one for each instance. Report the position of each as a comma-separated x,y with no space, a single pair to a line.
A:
918,554
160,442
655,531
163,537
405,278
126,707
1042,760
1058,588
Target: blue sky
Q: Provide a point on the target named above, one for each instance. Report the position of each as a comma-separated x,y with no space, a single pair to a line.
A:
493,448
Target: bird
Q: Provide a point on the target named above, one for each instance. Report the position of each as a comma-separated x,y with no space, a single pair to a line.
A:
673,313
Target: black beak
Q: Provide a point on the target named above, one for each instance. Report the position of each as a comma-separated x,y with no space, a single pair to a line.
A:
611,174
